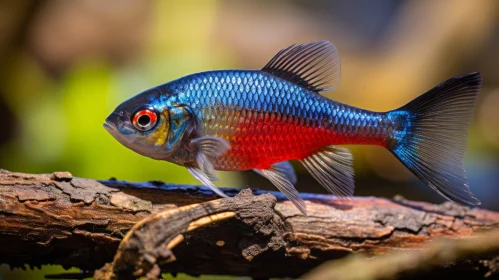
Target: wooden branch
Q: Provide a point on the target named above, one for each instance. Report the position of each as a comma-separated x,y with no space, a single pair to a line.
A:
392,266
60,219
146,249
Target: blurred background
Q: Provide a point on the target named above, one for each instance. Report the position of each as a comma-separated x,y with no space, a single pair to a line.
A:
65,65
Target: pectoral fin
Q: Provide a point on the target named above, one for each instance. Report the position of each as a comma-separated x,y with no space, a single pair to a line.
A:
212,146
209,147
332,167
280,178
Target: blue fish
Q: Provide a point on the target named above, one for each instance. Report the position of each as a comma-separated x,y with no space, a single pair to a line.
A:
259,120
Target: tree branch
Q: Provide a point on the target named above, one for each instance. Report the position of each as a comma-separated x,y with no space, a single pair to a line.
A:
60,219
392,266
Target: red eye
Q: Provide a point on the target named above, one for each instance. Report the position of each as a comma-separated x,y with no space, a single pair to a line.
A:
144,119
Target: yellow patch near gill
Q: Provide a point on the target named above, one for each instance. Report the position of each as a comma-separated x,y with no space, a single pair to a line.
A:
159,136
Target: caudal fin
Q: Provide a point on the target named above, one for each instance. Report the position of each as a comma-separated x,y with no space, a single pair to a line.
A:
432,139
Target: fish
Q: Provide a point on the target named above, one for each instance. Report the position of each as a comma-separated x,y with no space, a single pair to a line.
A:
260,120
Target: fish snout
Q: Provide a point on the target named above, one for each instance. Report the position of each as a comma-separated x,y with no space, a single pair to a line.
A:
110,124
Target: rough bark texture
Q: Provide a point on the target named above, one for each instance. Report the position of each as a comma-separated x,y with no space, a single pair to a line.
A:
419,264
59,219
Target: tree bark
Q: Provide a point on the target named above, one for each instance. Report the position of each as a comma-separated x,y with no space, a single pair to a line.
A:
421,264
60,219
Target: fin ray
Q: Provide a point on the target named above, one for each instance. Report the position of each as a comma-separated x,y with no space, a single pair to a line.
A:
209,147
204,179
282,183
285,168
315,66
332,167
206,166
433,140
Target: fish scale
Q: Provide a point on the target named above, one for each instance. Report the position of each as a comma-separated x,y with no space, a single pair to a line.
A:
250,120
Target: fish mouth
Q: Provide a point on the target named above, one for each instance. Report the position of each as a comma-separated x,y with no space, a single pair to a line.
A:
110,126
110,123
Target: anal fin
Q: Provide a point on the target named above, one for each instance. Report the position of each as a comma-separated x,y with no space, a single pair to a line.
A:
332,167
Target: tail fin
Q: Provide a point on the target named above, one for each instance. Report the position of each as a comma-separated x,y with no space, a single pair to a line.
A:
433,138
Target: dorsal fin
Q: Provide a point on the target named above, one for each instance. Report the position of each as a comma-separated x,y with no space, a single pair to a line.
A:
315,66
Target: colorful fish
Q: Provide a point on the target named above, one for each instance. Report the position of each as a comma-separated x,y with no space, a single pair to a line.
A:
259,120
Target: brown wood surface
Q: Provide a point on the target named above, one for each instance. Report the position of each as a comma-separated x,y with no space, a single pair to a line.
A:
60,219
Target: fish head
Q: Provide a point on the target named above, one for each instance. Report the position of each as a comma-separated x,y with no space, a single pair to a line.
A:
141,126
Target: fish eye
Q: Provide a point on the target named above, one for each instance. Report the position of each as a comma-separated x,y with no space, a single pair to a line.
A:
145,119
